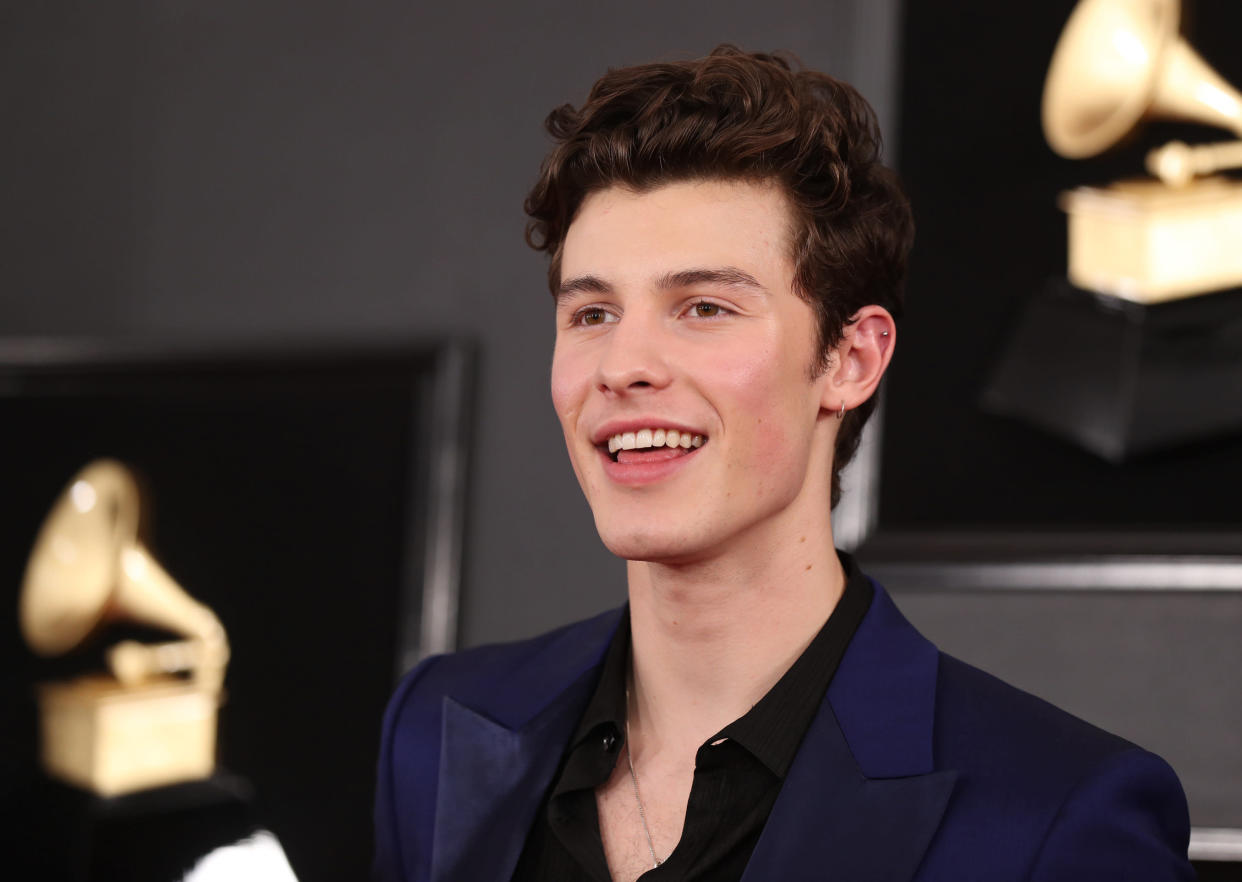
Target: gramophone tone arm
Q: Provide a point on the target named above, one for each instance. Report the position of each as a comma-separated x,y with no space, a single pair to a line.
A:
146,593
1177,164
133,663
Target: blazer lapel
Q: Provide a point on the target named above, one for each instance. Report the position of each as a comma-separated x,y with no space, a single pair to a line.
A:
491,781
830,821
862,800
497,762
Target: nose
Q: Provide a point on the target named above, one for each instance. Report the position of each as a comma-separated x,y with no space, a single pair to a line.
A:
633,358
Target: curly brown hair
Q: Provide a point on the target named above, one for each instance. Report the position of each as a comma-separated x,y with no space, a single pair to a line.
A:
745,116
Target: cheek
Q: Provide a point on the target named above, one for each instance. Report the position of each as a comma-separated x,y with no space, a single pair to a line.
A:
567,386
773,418
766,383
765,463
568,382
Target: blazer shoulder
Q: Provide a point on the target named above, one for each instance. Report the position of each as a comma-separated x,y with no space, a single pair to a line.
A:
977,711
1126,821
1054,793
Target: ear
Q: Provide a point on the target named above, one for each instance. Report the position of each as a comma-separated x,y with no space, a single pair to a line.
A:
858,362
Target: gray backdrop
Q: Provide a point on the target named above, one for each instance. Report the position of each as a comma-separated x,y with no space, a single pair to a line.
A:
324,168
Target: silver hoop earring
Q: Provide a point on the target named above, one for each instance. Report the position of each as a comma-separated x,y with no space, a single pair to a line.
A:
841,412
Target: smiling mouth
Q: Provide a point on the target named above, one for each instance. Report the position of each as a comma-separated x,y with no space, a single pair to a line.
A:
652,445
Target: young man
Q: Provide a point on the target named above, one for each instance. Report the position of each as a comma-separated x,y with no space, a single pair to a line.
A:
726,258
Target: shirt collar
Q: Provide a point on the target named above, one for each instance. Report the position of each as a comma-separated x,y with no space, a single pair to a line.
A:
608,705
773,729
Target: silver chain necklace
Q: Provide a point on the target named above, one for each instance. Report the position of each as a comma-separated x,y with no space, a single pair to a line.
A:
642,812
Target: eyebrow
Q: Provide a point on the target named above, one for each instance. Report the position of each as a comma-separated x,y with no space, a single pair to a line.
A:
726,276
581,285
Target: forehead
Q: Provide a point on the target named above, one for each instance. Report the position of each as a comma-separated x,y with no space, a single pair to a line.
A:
627,235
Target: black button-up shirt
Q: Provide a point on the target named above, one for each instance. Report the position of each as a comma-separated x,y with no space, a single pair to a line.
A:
737,775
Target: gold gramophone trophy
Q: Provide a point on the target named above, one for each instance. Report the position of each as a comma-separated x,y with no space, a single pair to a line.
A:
151,721
1137,351
1178,234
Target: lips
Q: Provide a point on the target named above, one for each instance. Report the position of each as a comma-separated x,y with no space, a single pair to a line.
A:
645,449
654,454
640,468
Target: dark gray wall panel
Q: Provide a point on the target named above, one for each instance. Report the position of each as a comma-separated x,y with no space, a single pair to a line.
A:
1158,668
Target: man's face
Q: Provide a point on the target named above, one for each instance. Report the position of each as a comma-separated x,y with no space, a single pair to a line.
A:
677,314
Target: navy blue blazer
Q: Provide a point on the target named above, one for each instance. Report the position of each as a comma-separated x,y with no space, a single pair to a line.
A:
916,767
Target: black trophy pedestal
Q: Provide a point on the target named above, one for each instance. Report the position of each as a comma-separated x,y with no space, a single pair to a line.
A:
150,836
1123,379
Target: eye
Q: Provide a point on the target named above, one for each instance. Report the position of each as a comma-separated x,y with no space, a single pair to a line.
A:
707,309
593,315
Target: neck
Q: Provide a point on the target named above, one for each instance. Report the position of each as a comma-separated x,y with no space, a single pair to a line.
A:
712,637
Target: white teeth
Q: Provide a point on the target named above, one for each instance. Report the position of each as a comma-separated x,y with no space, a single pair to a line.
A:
645,438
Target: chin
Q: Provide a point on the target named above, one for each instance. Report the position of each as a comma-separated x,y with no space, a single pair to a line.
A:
648,543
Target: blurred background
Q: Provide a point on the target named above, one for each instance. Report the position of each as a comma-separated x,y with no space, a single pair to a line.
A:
337,188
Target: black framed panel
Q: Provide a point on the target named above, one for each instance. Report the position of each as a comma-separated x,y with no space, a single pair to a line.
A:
984,186
975,512
311,495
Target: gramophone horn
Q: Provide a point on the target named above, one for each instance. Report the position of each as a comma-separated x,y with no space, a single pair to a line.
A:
1119,61
87,564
